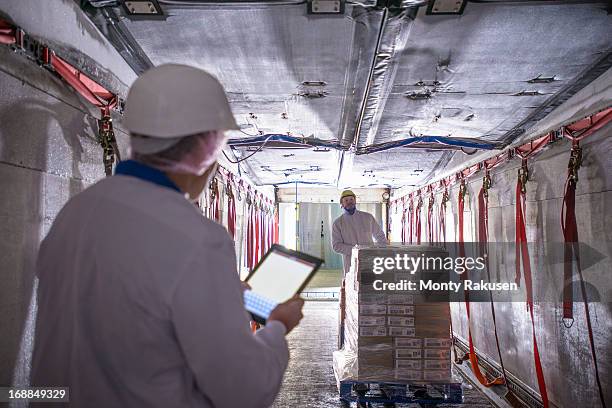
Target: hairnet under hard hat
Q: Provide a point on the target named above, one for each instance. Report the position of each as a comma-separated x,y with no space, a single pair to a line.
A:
171,101
192,155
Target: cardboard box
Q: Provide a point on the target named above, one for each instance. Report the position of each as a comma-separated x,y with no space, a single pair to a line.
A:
374,309
372,320
401,310
408,353
437,354
437,342
400,299
373,331
401,374
400,321
401,331
408,364
407,342
437,375
436,364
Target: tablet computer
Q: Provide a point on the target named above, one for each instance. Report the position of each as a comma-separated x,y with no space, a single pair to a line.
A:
280,275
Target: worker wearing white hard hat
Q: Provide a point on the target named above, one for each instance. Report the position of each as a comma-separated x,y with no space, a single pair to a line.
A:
139,299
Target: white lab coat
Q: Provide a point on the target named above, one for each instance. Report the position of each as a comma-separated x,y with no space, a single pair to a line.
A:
140,305
350,230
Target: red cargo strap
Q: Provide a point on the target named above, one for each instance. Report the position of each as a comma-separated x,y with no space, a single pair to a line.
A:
472,354
430,220
522,251
250,227
417,219
276,226
8,33
442,216
571,250
257,231
231,206
403,225
89,89
483,237
410,219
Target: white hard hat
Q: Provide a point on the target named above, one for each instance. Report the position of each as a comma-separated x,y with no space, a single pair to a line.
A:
172,101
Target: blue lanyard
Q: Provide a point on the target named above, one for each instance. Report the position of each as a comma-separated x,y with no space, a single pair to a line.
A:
144,172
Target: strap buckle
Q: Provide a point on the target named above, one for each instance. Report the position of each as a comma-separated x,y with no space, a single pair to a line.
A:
462,189
486,184
106,138
214,188
523,177
574,163
445,197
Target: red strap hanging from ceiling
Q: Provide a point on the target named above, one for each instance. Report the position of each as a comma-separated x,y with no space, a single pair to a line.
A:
410,218
430,217
231,206
417,218
403,225
256,204
472,353
522,251
249,230
444,184
576,132
483,237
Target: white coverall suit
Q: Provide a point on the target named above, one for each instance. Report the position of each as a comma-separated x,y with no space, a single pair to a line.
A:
140,305
350,230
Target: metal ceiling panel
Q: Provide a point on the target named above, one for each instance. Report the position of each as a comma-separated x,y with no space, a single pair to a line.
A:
278,166
398,167
269,58
378,75
480,74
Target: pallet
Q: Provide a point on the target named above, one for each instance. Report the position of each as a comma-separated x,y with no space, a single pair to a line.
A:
367,393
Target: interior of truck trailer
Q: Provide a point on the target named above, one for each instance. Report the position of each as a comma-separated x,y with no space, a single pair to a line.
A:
360,140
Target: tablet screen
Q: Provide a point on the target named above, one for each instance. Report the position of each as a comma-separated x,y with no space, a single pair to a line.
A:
280,276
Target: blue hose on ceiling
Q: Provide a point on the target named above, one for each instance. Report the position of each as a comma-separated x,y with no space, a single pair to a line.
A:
443,140
282,138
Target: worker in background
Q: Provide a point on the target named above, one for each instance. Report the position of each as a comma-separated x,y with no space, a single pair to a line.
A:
139,300
352,228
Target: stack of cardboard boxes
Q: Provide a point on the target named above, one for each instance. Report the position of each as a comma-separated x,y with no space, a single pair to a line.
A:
397,336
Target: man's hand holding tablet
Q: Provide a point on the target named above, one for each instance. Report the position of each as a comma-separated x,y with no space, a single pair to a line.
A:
275,284
288,313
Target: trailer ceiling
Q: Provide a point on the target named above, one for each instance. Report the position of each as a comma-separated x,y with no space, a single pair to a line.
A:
376,76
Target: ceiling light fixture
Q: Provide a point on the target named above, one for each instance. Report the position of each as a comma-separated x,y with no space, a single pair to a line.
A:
143,9
442,7
325,6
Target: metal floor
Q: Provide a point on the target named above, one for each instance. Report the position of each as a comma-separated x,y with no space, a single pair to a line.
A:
309,380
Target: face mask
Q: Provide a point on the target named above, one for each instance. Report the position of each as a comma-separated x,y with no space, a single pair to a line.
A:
351,209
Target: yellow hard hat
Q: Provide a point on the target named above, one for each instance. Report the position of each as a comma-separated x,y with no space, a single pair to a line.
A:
346,193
